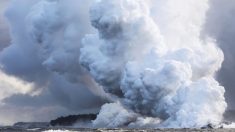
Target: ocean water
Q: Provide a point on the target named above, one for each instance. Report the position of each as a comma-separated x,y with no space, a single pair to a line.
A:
15,129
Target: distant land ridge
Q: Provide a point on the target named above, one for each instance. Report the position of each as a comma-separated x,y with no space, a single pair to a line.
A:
72,119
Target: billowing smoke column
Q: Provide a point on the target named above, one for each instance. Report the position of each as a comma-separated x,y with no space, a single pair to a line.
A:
151,56
46,36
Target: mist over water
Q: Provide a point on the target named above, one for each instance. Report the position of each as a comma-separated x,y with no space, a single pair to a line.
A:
145,63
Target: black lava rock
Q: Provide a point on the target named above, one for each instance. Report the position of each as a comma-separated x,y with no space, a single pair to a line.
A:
71,119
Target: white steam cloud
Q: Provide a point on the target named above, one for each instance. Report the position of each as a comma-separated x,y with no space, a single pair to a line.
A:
46,36
154,60
150,59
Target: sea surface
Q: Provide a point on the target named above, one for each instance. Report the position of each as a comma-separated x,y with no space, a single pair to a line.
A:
15,129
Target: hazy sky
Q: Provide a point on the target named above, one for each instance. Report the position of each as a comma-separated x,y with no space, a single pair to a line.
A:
220,24
4,37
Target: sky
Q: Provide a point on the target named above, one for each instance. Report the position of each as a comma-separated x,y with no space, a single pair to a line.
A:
66,88
4,39
220,25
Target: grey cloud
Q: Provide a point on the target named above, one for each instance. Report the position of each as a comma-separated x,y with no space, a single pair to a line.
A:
220,24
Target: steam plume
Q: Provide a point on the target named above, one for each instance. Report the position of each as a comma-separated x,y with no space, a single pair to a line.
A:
154,60
153,57
46,37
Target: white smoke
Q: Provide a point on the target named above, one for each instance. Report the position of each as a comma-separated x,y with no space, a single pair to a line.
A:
106,116
44,51
155,60
149,55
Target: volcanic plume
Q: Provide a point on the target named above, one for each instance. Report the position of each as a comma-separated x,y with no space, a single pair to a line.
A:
150,55
139,63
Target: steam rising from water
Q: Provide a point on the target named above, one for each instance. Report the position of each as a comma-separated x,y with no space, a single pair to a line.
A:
154,60
149,56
